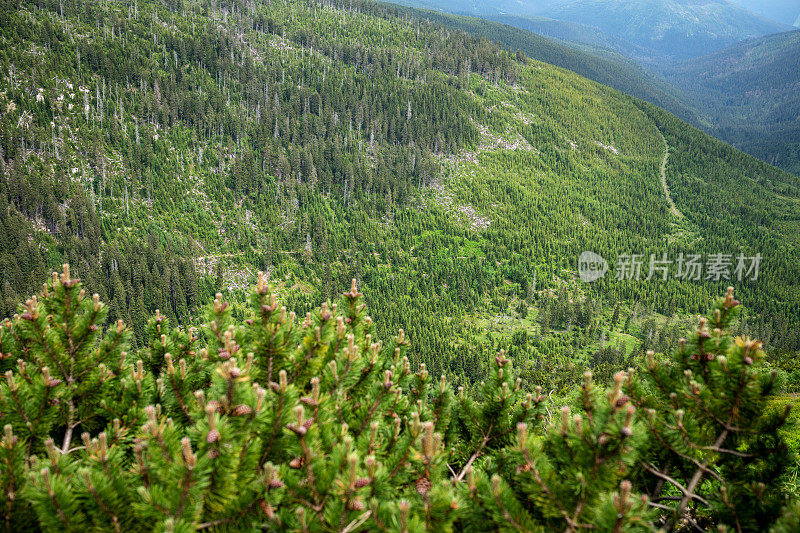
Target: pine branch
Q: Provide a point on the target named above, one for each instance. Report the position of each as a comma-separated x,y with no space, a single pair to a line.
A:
484,442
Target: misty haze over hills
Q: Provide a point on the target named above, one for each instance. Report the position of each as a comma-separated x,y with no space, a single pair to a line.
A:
750,92
728,67
647,30
786,11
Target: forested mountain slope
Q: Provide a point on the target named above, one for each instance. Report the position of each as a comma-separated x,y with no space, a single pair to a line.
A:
598,62
663,29
674,28
571,33
742,94
751,91
168,150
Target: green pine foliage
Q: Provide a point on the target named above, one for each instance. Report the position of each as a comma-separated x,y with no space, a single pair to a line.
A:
170,150
715,444
287,423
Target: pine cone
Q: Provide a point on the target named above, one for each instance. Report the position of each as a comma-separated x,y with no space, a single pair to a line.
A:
308,400
355,505
213,436
267,509
423,486
362,482
242,410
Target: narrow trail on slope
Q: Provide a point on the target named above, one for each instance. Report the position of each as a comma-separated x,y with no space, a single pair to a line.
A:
672,208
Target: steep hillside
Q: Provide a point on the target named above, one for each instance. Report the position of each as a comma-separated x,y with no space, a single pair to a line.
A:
598,63
661,29
171,150
571,33
751,91
673,28
743,94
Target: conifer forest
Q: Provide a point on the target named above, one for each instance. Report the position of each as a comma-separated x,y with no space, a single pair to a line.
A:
320,265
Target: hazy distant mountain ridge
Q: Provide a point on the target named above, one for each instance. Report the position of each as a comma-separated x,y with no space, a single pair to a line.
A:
751,91
594,61
786,11
664,28
743,93
573,34
678,28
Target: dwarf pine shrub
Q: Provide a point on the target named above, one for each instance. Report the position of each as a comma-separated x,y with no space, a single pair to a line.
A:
287,423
